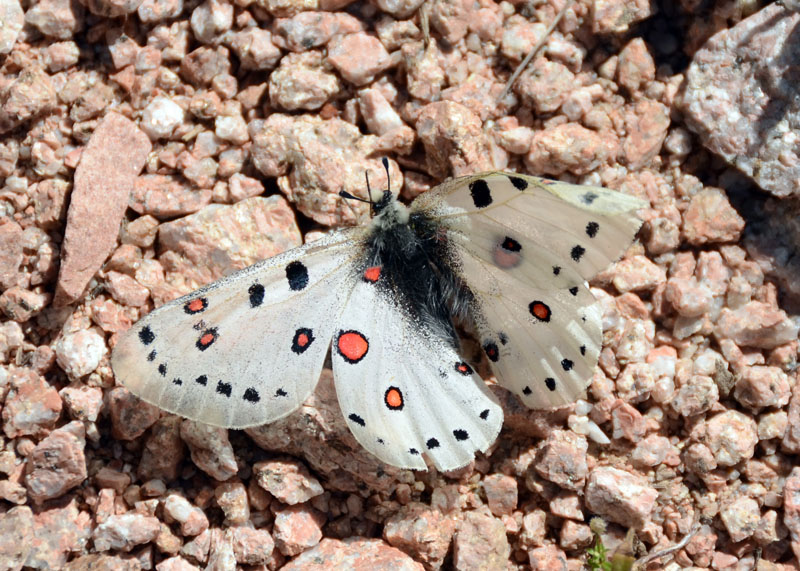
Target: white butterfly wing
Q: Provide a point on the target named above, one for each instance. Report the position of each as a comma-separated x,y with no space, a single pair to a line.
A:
525,247
247,349
404,391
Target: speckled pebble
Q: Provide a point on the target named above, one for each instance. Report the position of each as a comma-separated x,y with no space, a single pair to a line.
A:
480,541
57,464
358,57
82,402
124,532
731,436
191,518
561,459
288,480
421,531
620,496
232,499
210,449
741,517
353,553
296,529
760,387
251,546
501,493
79,352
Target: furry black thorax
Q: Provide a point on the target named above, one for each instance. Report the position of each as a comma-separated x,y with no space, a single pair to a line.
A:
418,267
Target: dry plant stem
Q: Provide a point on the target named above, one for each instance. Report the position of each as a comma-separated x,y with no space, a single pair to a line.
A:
528,58
643,561
424,22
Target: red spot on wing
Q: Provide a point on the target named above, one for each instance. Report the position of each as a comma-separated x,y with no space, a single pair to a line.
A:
372,274
506,260
207,339
394,398
196,305
302,339
463,368
540,310
352,345
507,254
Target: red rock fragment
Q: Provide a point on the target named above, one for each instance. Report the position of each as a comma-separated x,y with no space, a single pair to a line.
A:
353,553
103,182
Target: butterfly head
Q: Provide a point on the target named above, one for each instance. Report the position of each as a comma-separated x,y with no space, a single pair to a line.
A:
386,211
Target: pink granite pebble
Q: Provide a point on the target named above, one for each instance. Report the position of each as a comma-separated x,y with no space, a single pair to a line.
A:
561,459
297,528
124,532
32,406
103,182
620,496
192,520
501,493
288,480
480,541
355,553
421,531
210,449
358,57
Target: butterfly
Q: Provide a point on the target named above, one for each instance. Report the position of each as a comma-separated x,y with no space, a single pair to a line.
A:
505,255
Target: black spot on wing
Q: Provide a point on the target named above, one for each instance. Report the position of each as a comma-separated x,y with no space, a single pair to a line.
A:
484,414
152,356
357,419
573,290
590,197
297,275
256,293
577,253
591,229
251,395
201,380
146,335
224,388
432,443
567,365
281,393
162,369
527,391
481,194
460,434
518,182
550,383
510,244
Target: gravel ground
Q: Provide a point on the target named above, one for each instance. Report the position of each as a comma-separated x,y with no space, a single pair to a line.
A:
150,147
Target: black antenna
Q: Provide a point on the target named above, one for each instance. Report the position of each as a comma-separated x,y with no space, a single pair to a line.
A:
385,162
348,196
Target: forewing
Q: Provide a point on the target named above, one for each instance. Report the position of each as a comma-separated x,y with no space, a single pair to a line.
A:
405,392
247,349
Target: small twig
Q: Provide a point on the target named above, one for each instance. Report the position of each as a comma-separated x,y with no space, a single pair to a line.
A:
521,67
424,22
642,561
